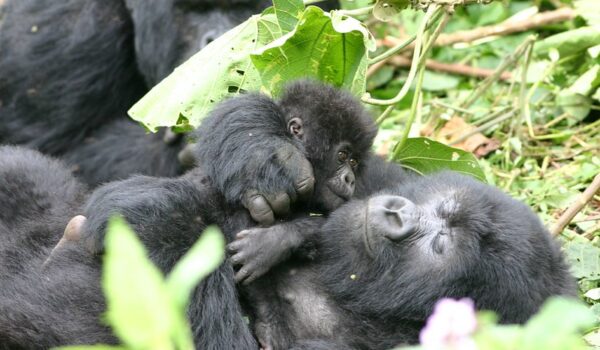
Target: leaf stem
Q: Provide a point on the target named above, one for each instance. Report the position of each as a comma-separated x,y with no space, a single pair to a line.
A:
413,112
357,12
401,46
418,57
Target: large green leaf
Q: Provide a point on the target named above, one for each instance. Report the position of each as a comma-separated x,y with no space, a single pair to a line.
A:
202,259
326,46
221,69
287,12
425,156
139,308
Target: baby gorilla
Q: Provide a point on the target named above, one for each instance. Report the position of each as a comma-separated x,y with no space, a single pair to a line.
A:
381,263
260,154
253,147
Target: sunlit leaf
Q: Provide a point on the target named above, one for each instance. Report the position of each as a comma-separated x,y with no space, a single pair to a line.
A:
427,156
202,259
326,46
139,309
287,12
223,68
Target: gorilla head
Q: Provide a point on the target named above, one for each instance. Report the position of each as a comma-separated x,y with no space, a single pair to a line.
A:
167,32
382,263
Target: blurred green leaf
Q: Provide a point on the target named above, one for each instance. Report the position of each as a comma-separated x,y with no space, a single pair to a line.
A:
327,46
139,308
385,10
354,4
575,104
569,42
584,259
202,259
427,156
588,9
557,325
433,81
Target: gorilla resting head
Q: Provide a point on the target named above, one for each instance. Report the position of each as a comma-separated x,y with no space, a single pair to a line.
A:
382,263
254,147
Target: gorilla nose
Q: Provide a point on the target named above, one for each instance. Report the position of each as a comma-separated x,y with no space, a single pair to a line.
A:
208,37
395,217
348,182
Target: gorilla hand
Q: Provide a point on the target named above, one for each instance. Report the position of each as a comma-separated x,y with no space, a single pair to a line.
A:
292,164
257,250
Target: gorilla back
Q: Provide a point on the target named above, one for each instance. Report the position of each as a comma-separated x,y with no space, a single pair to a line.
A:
382,263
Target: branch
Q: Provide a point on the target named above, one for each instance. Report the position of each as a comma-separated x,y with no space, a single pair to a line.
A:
509,26
453,68
576,207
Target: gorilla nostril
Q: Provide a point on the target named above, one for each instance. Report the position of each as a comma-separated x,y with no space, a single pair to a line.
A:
395,203
208,38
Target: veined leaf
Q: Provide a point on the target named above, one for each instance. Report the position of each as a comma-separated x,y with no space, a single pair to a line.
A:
425,156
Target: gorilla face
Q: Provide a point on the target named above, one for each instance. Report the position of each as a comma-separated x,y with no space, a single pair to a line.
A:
168,32
442,236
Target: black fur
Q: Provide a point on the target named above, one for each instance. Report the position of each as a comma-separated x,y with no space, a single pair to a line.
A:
61,302
72,67
372,288
239,143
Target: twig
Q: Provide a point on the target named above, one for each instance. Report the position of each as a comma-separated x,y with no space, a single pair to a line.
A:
576,207
401,45
507,62
413,69
483,127
453,68
509,26
357,12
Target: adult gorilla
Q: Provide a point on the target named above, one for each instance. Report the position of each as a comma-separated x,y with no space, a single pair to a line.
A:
70,69
378,266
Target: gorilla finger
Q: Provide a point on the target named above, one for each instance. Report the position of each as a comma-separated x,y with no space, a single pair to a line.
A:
237,259
241,275
299,168
280,203
253,276
236,245
259,209
242,234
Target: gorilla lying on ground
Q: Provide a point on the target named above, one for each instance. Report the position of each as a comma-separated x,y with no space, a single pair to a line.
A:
194,203
51,297
379,265
70,70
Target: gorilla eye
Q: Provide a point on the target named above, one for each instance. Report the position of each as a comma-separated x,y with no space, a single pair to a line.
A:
353,162
342,156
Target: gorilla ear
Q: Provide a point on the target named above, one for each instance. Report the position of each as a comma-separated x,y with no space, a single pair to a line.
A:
295,127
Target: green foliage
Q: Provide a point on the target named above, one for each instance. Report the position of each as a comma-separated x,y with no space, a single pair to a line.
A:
556,327
427,156
285,42
329,47
385,10
145,310
584,259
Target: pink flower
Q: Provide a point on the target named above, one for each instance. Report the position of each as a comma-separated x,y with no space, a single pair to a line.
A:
450,326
